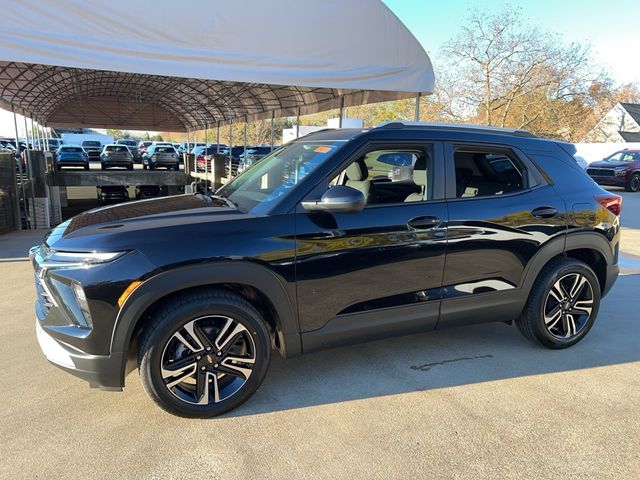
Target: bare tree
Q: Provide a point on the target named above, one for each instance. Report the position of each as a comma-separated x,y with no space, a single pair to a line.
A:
507,73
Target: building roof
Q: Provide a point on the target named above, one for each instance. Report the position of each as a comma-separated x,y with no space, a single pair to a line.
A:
630,136
202,62
632,109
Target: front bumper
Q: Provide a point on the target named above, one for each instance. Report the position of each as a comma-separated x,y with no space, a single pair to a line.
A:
101,371
610,181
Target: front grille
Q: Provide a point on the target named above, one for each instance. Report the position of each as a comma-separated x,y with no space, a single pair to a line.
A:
601,172
41,294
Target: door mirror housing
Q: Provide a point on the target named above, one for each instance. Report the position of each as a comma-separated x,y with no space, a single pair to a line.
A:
338,199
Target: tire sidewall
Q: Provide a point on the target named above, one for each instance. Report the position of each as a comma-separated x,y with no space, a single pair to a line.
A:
152,357
541,331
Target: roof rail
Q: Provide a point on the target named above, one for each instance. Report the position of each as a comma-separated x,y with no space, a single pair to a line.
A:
456,126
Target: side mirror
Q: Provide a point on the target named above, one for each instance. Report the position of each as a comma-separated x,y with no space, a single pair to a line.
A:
338,199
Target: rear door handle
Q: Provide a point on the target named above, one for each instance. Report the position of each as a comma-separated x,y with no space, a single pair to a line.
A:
544,212
423,223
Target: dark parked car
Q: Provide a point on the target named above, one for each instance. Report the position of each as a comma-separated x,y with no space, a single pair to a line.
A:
132,145
116,156
236,152
71,156
93,149
148,191
622,169
54,143
112,194
164,156
252,155
306,251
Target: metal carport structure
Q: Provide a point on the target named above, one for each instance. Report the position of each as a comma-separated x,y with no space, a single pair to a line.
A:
199,64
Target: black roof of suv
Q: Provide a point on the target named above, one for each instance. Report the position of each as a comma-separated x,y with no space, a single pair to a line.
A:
338,237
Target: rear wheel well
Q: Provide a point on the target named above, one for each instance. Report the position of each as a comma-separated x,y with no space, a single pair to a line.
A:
594,259
254,296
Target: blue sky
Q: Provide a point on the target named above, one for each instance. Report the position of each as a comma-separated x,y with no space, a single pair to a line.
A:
612,28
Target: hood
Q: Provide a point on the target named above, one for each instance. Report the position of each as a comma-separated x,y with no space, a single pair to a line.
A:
605,164
127,225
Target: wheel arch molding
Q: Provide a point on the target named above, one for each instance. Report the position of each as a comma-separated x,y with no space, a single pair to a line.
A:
172,281
560,246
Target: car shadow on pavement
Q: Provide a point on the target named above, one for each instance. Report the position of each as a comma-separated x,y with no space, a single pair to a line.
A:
446,358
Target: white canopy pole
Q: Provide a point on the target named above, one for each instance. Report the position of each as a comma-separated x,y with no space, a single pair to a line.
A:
298,123
273,129
418,107
341,112
30,170
24,196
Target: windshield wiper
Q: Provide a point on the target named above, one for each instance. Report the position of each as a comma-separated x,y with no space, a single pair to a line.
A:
224,200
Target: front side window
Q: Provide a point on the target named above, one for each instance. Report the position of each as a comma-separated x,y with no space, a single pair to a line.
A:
277,174
392,175
486,172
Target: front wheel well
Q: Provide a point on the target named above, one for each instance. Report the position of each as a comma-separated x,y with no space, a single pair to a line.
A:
253,295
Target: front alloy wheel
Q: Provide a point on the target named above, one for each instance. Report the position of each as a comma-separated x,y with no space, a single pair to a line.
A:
208,360
203,353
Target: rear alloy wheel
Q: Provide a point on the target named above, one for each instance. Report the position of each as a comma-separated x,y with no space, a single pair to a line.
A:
563,304
206,353
634,183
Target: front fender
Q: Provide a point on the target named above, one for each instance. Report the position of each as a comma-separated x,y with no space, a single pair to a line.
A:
181,278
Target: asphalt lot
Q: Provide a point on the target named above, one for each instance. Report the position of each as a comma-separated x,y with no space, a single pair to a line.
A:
472,402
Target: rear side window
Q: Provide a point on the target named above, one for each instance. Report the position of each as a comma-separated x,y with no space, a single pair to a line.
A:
165,150
487,172
71,149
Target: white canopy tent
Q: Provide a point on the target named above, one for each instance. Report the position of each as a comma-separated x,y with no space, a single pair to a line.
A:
164,65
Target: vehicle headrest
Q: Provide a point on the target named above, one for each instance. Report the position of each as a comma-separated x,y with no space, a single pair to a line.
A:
357,171
420,170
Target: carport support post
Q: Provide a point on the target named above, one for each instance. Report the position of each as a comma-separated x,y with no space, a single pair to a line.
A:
341,112
273,129
298,123
418,95
230,150
218,137
206,147
244,152
24,198
30,170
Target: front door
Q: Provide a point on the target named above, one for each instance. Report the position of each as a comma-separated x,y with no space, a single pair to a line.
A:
377,272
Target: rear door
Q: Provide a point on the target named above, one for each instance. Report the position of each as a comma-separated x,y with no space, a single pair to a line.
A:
501,212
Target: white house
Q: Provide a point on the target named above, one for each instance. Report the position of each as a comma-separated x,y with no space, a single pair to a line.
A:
620,125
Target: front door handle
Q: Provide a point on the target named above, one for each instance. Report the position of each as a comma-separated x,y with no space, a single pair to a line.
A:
544,212
423,223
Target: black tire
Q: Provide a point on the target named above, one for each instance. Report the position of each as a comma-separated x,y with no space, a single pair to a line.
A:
103,167
129,167
531,322
144,166
59,167
152,166
171,318
86,167
633,185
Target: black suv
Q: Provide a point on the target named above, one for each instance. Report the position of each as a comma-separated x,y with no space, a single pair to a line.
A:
321,244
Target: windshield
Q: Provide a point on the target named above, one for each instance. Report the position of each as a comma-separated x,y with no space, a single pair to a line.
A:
70,149
129,143
90,144
623,157
259,187
117,148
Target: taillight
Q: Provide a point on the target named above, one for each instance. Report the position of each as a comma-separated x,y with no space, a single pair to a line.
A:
611,202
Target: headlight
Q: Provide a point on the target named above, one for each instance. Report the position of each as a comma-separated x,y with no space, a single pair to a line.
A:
620,171
76,259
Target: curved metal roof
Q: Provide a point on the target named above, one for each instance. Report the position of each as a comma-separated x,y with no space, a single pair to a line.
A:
76,65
